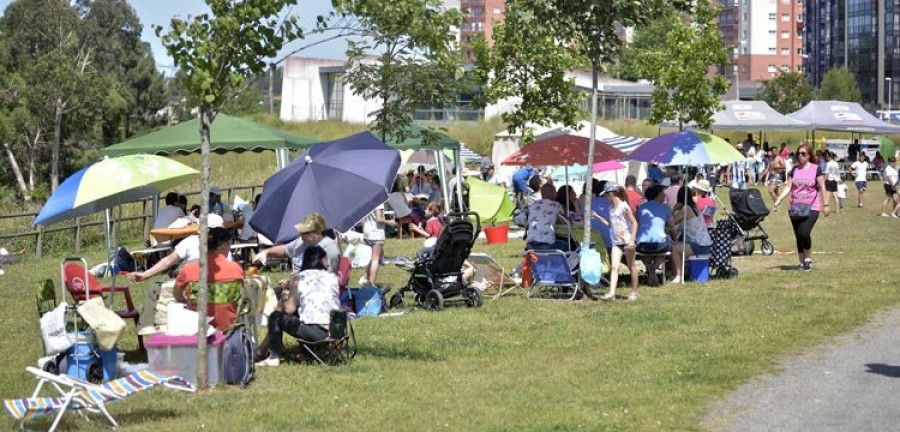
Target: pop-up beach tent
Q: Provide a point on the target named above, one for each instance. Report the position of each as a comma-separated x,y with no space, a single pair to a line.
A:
491,202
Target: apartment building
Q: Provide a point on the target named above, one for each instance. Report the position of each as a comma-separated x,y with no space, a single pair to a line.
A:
480,16
767,39
864,37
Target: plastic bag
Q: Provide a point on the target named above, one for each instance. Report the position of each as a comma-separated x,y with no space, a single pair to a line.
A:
104,322
53,330
591,266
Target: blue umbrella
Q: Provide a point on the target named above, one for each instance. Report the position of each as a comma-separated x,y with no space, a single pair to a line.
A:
344,180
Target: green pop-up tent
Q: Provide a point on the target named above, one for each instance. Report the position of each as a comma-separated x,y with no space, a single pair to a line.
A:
227,134
491,202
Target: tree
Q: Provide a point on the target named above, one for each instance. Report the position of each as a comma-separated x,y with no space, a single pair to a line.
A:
787,92
415,61
528,62
839,84
683,90
587,28
653,36
217,54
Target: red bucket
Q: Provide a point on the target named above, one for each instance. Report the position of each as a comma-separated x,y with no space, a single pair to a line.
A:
497,234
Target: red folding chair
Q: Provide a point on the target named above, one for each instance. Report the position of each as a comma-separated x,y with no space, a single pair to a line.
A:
82,285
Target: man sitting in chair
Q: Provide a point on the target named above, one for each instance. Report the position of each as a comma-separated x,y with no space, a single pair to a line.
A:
304,310
226,279
312,233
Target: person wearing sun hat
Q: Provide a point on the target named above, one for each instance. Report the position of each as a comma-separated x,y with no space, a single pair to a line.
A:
312,233
705,203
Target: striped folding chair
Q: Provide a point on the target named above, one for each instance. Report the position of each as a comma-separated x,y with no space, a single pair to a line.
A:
83,397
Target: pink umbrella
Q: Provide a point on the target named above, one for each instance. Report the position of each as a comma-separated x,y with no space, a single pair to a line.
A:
610,165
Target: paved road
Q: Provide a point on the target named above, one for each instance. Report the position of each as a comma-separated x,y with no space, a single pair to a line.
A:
850,384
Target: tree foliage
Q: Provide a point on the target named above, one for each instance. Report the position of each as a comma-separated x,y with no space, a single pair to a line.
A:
79,74
527,64
404,56
684,89
652,36
840,84
217,53
787,92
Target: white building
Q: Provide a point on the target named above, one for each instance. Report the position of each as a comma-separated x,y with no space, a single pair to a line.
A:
314,90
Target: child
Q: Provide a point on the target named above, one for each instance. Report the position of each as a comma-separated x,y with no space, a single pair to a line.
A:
623,231
841,194
433,225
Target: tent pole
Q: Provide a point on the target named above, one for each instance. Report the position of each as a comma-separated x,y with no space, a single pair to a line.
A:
458,177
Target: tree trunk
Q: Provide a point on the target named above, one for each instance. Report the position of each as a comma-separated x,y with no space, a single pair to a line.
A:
588,192
54,159
206,119
31,168
20,180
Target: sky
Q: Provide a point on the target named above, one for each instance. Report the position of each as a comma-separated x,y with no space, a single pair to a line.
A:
159,12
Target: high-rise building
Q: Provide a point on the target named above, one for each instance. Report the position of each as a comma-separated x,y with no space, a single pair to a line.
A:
480,16
767,39
861,35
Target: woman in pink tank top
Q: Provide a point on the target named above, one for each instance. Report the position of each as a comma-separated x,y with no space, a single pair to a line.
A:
807,187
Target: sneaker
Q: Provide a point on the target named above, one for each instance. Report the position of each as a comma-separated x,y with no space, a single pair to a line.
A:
675,280
894,215
633,296
807,265
884,215
608,297
801,267
269,362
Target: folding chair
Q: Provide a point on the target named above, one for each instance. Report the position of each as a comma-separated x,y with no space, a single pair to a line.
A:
554,274
340,345
82,285
81,396
489,272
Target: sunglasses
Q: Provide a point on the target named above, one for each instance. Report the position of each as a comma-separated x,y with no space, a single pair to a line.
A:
802,154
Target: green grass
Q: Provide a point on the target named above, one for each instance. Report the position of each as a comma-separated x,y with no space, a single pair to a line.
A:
516,364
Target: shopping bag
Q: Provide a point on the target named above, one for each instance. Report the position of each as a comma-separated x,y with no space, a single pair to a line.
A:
53,330
591,266
106,324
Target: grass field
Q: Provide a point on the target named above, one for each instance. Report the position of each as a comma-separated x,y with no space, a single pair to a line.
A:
516,364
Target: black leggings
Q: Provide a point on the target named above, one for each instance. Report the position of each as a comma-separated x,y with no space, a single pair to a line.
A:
280,322
803,230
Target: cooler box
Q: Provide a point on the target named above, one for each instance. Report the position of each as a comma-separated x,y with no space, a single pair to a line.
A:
698,268
85,357
177,355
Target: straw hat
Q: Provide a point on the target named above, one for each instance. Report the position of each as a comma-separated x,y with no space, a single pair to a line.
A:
313,222
701,185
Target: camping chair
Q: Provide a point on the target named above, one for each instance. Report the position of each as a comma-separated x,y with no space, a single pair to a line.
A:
82,285
81,396
492,275
554,274
340,345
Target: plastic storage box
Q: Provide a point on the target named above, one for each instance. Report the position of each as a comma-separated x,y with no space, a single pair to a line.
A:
177,355
699,268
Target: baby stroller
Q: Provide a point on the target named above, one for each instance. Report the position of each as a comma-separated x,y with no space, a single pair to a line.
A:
437,274
748,210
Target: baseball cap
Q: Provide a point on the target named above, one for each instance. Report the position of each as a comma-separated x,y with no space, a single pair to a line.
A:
215,190
214,221
314,222
610,187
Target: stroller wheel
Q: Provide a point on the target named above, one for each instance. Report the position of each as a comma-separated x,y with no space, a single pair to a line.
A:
396,301
767,248
473,298
733,273
51,367
434,301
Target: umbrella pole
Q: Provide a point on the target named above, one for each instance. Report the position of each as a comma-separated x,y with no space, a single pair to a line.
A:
568,223
110,259
684,210
444,190
458,177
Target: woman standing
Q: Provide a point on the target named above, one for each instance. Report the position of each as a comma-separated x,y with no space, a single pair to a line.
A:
623,232
806,184
695,239
775,174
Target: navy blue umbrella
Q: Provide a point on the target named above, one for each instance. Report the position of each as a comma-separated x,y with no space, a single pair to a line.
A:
344,180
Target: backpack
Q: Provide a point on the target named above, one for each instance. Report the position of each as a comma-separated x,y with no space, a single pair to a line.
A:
238,353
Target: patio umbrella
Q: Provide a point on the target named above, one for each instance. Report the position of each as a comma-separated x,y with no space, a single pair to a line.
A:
564,149
111,182
687,148
422,157
581,170
344,180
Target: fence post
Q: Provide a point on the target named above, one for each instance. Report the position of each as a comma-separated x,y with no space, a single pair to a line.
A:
37,241
77,235
144,218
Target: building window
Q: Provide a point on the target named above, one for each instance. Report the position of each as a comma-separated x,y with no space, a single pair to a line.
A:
786,17
475,12
771,17
785,34
772,51
497,11
785,68
799,51
772,68
799,17
785,2
799,68
785,51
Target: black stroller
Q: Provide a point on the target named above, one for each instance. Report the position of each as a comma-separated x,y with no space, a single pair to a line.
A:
747,212
437,274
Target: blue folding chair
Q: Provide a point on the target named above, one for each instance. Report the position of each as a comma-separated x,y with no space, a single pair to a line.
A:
554,274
